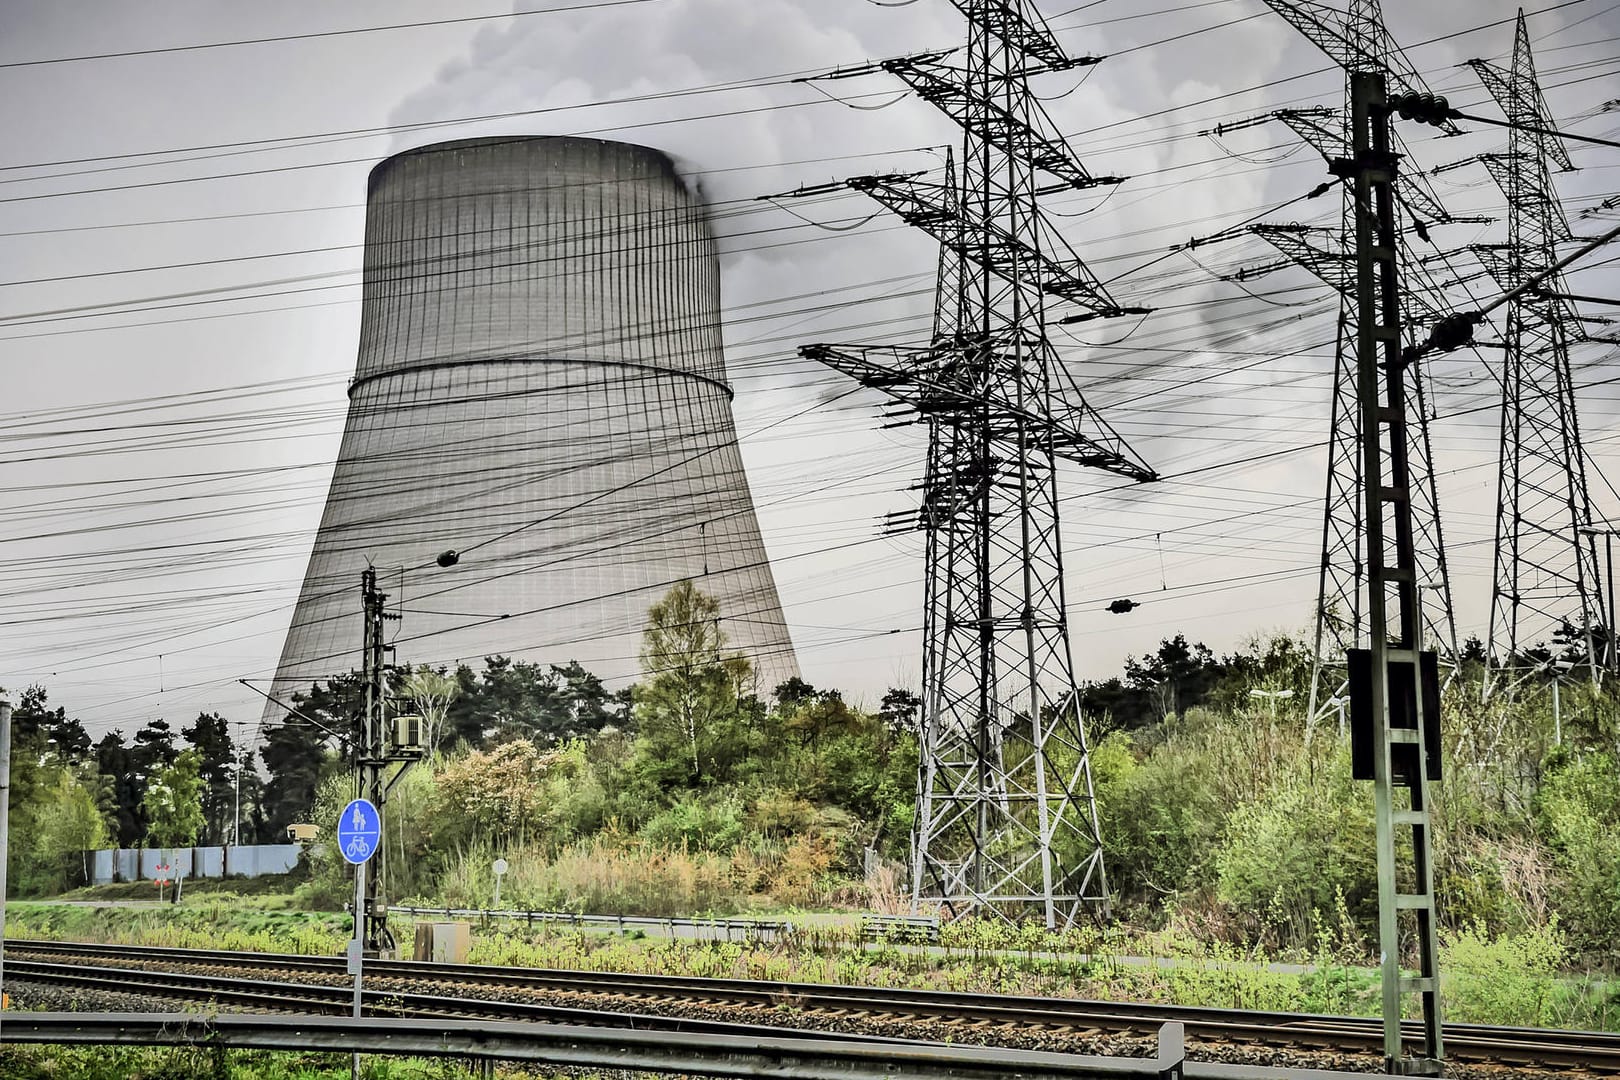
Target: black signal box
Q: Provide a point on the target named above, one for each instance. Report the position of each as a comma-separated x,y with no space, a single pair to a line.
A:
1405,682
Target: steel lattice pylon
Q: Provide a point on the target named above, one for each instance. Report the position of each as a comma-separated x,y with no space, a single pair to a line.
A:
1358,40
1006,813
1546,577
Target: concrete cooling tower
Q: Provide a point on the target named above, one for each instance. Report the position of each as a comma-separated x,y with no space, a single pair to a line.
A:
540,386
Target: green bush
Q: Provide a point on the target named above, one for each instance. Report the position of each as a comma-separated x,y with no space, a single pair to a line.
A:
1295,853
1155,846
1505,979
697,824
1579,813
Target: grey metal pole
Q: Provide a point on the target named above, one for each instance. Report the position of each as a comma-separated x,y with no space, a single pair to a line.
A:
5,823
5,816
1558,719
357,949
1608,558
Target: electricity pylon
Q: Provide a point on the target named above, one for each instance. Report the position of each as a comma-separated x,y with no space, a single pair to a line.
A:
1006,816
1359,42
1546,584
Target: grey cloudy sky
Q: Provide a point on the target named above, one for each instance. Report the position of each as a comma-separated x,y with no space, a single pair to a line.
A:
180,310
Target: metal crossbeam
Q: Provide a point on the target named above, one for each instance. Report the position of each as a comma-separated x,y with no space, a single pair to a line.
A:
986,242
1356,39
934,383
946,88
1022,30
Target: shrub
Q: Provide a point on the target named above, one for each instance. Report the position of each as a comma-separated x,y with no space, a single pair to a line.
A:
1506,979
1579,812
1294,853
595,878
697,823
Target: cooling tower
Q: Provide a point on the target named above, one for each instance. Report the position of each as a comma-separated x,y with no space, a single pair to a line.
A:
540,386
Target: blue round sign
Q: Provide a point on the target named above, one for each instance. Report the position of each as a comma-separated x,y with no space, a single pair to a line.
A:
359,830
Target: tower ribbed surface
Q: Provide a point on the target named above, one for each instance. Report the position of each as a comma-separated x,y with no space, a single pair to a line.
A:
541,386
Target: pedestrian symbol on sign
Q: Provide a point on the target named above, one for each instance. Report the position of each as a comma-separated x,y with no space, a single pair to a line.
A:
359,829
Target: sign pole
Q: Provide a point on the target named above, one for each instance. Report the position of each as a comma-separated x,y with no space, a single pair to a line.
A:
5,827
359,834
357,950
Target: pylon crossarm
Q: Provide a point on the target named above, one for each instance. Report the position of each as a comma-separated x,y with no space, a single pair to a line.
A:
946,88
1332,266
908,376
1006,19
928,206
1355,40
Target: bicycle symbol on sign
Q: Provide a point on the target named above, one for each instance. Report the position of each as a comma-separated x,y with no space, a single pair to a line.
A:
358,848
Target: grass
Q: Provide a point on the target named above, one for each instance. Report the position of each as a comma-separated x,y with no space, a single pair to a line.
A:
268,889
1487,981
218,923
199,1063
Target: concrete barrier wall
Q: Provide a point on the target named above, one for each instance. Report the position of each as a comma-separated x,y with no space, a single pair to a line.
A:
141,864
255,860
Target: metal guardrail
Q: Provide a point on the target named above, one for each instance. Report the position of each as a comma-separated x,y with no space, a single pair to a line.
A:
889,928
651,1051
900,928
720,929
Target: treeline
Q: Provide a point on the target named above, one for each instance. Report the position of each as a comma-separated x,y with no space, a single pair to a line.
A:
1227,810
70,794
689,791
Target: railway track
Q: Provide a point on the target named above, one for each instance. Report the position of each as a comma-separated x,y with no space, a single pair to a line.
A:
159,971
324,1000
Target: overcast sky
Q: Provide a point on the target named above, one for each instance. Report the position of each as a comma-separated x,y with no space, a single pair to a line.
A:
180,310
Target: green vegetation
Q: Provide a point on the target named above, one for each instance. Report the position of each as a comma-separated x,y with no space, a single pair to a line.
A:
209,1063
1513,981
206,922
1235,834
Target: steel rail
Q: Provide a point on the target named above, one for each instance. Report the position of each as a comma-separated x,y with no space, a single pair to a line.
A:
319,999
1470,1042
823,1058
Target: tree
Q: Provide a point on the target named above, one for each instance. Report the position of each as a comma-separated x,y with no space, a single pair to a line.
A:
253,826
294,753
72,825
430,693
32,776
587,705
520,700
116,762
694,685
173,803
1180,674
899,710
792,692
495,794
210,737
153,749
68,740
